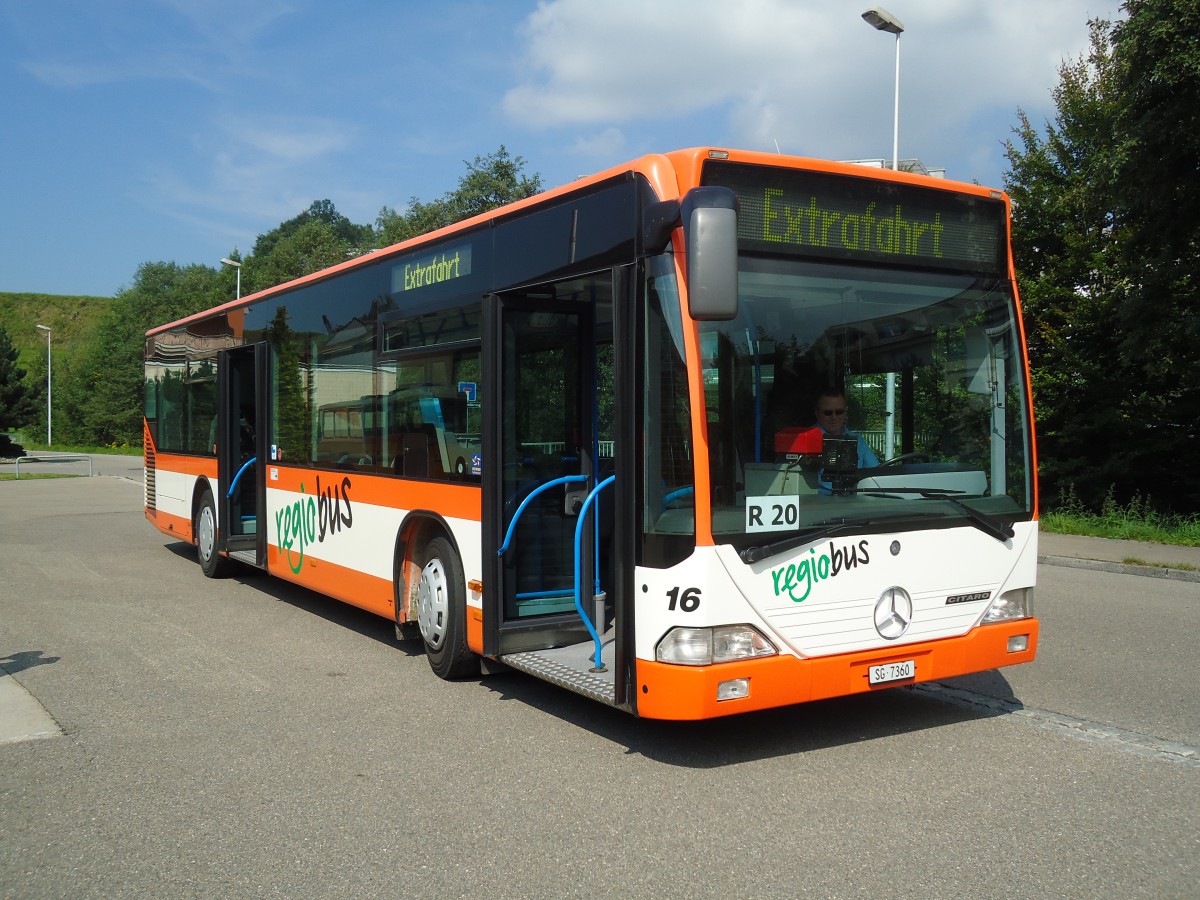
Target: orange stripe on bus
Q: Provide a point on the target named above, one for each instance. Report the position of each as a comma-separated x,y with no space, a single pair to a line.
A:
702,496
349,585
458,501
475,630
688,166
167,523
188,465
690,692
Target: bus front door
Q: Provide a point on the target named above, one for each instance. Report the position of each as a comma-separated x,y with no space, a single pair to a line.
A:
242,425
537,467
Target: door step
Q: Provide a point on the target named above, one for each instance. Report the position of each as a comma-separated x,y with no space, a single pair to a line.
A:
568,667
249,557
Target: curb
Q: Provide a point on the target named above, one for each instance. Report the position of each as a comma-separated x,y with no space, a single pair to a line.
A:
1097,565
22,717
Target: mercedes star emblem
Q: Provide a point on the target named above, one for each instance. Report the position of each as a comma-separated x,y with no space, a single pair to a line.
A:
893,613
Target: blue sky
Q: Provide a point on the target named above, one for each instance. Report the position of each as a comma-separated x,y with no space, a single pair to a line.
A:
138,130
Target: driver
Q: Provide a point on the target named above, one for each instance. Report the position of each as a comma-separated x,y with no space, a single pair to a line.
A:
831,419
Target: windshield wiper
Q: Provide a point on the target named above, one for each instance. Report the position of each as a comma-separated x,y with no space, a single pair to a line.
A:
1001,531
819,530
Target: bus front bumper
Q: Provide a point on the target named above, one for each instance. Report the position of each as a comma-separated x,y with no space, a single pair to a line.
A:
667,691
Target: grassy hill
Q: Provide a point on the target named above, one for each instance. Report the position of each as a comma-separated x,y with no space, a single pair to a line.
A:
70,319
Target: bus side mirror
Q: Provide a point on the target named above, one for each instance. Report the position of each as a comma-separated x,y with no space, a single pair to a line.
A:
710,226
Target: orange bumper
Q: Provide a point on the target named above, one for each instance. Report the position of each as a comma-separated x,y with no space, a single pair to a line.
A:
690,692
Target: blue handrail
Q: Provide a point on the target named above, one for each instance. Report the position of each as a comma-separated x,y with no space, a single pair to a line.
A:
678,494
579,528
541,488
233,485
587,620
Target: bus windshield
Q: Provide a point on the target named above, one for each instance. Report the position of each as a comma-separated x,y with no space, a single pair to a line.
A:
927,368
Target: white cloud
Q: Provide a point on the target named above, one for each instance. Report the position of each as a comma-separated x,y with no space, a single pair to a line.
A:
624,60
288,139
102,69
608,144
257,169
809,76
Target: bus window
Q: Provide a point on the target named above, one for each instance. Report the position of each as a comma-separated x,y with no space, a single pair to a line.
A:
432,415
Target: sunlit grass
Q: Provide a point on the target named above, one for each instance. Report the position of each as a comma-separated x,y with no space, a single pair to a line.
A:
1184,567
29,476
34,447
1137,520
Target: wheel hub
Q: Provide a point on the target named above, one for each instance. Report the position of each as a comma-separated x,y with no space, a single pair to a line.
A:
207,533
433,603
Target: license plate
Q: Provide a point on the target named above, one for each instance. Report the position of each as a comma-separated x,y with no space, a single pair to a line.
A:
893,671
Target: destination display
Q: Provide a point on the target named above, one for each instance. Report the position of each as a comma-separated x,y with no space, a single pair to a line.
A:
426,270
846,218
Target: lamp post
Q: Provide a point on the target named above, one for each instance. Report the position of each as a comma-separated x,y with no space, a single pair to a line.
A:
49,403
882,20
237,265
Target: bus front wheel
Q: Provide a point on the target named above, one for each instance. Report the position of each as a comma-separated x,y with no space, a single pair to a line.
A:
441,612
212,563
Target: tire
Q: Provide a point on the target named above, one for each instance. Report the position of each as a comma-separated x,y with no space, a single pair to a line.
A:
212,563
442,610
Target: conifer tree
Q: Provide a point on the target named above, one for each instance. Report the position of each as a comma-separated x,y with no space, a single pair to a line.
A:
18,397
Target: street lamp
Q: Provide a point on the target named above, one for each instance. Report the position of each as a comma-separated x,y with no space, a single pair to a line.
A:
49,404
882,20
237,265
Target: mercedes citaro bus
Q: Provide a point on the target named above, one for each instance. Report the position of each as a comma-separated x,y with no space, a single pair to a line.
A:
575,436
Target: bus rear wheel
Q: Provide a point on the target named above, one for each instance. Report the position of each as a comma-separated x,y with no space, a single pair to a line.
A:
212,563
441,612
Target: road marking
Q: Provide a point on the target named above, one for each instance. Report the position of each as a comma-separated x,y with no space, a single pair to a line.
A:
1081,729
22,718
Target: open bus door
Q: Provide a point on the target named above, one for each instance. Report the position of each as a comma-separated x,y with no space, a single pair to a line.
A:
542,473
242,428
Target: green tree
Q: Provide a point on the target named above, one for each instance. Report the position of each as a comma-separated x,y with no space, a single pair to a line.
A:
1106,228
317,238
323,212
1069,271
491,181
313,246
1158,78
1158,49
18,398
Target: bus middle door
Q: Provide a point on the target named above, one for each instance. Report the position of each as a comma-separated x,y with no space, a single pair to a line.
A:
242,450
537,467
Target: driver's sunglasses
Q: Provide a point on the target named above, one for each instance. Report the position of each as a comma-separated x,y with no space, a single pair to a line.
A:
834,412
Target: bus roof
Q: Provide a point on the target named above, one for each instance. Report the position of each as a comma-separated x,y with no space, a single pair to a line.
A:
669,174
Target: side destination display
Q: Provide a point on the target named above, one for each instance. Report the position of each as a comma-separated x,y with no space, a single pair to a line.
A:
426,270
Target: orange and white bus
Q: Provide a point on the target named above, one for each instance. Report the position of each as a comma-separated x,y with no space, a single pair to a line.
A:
576,436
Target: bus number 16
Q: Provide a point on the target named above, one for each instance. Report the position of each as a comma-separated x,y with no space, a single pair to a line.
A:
686,601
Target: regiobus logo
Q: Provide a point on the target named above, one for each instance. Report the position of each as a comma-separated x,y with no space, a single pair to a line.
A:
311,518
797,580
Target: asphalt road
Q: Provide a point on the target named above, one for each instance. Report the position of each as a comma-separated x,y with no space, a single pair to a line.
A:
242,738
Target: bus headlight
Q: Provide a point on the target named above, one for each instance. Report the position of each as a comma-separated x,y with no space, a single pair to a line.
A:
704,646
1016,604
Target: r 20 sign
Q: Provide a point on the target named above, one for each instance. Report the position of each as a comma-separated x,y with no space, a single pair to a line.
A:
772,514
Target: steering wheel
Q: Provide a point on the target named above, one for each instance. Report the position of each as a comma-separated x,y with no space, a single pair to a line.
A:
906,457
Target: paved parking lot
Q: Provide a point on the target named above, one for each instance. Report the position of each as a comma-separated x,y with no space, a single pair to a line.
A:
244,738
